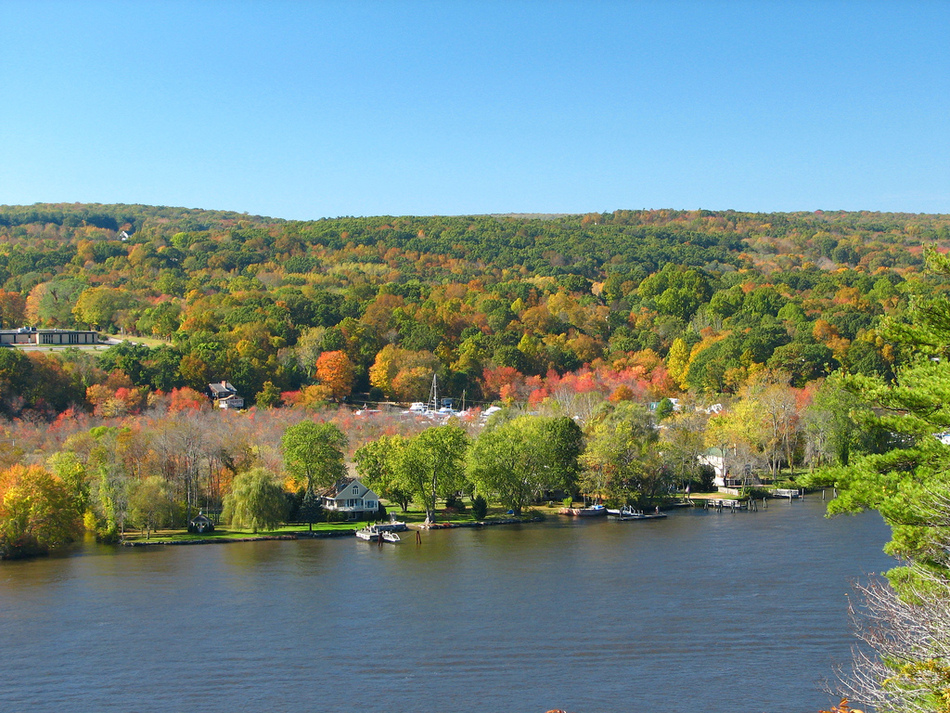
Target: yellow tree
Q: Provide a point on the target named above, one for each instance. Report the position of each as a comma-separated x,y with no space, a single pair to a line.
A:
37,512
737,435
402,373
384,369
677,362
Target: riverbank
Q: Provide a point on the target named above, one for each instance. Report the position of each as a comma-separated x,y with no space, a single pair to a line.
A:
226,540
323,531
415,520
477,523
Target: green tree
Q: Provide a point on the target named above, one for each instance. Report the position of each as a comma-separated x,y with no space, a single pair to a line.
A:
901,482
377,464
67,466
432,464
622,459
16,371
98,306
835,425
804,362
256,501
664,409
110,480
565,439
517,461
676,290
313,453
151,505
51,303
908,485
310,509
269,396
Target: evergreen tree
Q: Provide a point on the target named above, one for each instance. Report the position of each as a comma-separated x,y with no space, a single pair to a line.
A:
906,626
915,411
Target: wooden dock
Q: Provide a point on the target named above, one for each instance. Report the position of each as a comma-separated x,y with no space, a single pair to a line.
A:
725,504
786,493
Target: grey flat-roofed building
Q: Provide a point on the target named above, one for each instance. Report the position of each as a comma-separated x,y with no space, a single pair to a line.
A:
32,335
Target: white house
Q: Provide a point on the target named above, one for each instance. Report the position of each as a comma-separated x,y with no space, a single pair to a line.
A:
350,496
713,457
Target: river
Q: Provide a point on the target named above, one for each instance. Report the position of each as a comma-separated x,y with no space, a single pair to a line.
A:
703,611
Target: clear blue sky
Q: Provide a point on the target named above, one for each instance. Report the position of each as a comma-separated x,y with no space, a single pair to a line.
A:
318,109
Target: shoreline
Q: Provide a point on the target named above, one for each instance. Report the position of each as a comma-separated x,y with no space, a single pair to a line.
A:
326,534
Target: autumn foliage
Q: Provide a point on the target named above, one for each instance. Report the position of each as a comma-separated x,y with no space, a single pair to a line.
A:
36,512
335,373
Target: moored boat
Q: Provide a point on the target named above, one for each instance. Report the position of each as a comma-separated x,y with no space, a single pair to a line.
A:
367,533
377,533
592,511
629,513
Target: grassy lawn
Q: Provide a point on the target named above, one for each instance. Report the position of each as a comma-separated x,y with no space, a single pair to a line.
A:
147,341
223,532
412,517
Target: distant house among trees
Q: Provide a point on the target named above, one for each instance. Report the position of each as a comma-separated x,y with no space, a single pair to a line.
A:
225,395
715,458
350,497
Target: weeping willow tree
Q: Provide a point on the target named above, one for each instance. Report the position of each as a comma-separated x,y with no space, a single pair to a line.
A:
256,501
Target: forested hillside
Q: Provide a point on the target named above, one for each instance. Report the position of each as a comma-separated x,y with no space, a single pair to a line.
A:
738,326
499,307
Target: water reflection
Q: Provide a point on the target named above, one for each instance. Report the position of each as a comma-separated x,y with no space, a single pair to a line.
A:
584,616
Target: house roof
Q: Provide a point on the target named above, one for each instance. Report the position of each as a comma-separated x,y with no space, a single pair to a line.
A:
344,488
221,389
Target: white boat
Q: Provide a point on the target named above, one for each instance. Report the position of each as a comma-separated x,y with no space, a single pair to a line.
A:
377,533
591,511
368,533
629,513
